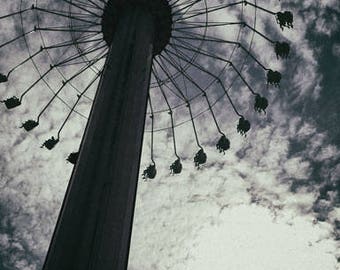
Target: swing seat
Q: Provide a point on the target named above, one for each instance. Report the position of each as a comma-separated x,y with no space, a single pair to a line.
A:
243,126
150,172
223,144
274,77
200,158
29,125
50,143
261,104
282,49
3,78
73,157
176,167
12,102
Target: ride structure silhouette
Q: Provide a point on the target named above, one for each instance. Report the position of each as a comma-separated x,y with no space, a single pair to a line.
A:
132,60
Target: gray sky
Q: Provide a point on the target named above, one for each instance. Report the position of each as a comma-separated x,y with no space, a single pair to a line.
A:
272,202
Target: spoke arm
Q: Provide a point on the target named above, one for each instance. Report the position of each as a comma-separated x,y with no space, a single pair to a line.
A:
169,108
205,53
16,38
81,8
162,65
15,13
64,84
59,13
76,103
211,10
191,80
195,36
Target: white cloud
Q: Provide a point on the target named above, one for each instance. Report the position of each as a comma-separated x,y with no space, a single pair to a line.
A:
247,238
243,201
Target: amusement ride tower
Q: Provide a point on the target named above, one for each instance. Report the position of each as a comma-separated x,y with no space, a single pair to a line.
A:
94,227
131,46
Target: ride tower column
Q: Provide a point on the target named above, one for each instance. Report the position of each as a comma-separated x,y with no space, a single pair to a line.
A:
94,226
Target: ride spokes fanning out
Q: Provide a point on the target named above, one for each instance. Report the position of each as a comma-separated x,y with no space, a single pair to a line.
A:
55,52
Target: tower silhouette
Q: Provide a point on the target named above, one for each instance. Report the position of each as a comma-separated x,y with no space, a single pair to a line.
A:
144,45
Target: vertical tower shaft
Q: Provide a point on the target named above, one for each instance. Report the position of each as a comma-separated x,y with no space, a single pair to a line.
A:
94,225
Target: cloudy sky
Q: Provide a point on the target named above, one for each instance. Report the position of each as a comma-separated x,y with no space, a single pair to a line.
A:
271,202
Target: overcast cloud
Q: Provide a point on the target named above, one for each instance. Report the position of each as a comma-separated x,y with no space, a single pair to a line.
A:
272,202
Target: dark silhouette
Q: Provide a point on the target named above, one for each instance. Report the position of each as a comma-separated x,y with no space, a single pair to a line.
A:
223,144
243,126
282,49
12,102
29,125
73,157
3,78
150,172
274,77
200,158
261,104
131,47
285,19
176,167
50,143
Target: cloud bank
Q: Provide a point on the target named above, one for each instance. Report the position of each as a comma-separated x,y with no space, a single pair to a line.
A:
274,195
